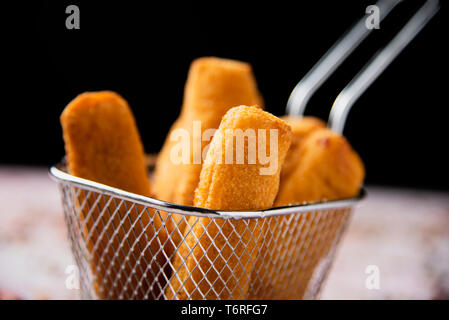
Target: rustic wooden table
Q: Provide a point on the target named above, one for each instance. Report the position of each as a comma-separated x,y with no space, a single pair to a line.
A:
401,236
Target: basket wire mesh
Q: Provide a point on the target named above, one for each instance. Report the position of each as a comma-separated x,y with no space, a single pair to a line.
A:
115,237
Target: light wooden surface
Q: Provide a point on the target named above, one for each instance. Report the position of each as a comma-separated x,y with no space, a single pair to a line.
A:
403,233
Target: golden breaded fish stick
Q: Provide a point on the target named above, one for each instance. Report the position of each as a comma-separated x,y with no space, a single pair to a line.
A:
327,168
103,145
301,128
221,262
213,86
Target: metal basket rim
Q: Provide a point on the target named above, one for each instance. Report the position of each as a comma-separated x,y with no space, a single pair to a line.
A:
58,174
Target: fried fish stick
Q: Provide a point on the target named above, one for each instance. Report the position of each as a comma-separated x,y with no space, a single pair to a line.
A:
301,128
221,262
327,169
213,86
103,145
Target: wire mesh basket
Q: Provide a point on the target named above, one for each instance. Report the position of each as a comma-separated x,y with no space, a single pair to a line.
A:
279,253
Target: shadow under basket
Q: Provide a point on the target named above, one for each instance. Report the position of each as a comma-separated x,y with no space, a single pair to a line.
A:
128,246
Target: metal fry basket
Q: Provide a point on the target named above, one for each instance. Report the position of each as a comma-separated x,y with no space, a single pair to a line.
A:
115,237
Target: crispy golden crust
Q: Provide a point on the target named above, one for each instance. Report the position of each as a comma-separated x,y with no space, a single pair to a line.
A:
213,87
102,144
328,169
227,186
301,128
241,187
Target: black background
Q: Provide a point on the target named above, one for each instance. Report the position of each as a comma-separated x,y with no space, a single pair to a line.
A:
143,50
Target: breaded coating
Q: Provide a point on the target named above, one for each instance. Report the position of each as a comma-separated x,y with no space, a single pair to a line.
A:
327,168
102,144
228,243
301,128
213,86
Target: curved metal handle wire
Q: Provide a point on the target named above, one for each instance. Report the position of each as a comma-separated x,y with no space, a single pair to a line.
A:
378,64
332,59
